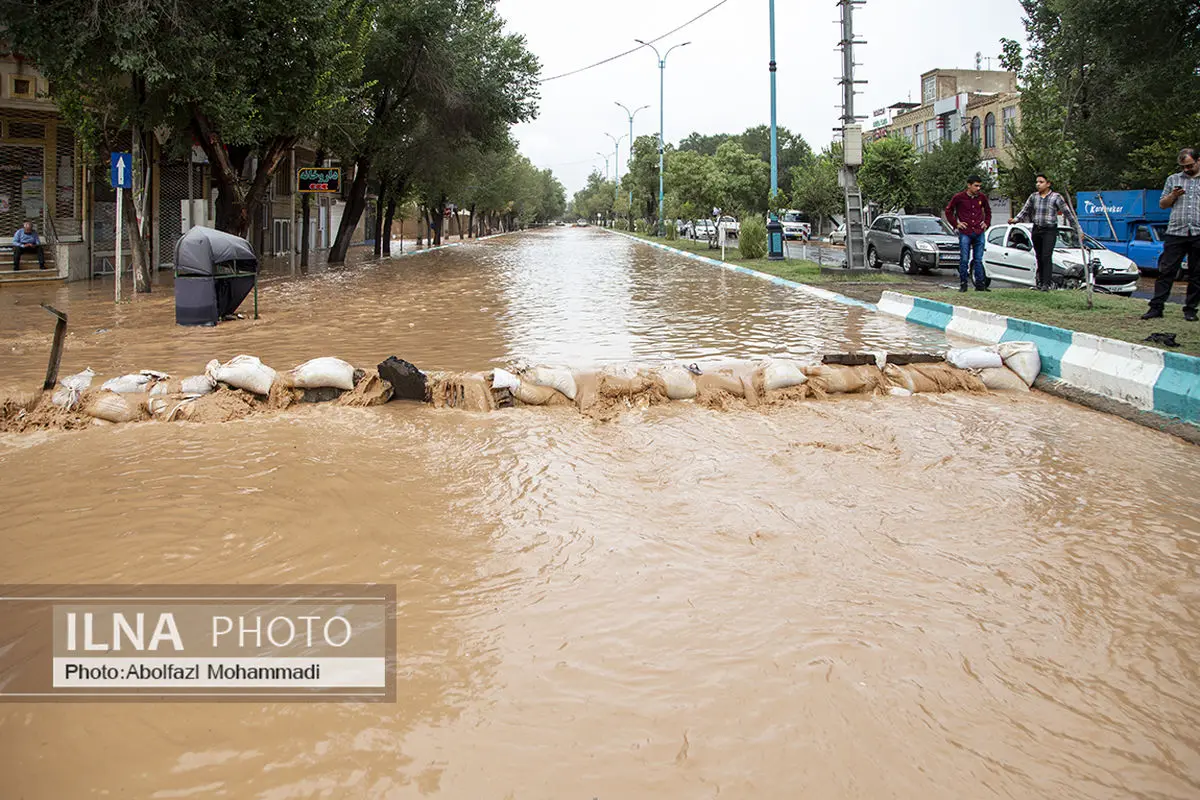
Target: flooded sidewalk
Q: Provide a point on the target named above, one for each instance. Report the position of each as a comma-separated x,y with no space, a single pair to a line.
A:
939,596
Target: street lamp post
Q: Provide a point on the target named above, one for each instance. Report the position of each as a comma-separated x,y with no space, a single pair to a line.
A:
774,228
616,164
662,78
631,115
605,157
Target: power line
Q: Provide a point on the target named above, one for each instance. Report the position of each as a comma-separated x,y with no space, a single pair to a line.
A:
634,50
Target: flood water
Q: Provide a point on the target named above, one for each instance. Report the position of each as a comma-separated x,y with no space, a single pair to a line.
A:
943,596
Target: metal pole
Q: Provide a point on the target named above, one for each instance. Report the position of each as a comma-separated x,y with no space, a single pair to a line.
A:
119,248
60,335
774,140
191,190
292,184
662,78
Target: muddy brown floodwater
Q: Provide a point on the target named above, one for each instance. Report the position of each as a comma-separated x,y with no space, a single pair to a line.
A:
942,596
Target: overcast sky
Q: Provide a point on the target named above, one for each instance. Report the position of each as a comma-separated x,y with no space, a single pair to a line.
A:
720,82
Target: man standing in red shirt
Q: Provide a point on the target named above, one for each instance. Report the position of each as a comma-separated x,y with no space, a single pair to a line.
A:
970,214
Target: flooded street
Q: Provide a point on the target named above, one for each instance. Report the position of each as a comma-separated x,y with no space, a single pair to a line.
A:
939,596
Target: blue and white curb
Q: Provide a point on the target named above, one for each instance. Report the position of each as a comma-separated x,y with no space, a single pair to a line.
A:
824,294
1144,377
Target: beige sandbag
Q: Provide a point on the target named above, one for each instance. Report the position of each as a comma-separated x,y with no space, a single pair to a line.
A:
371,390
1003,379
466,391
557,378
933,378
723,381
531,394
113,407
1022,358
587,389
838,379
780,373
678,382
899,378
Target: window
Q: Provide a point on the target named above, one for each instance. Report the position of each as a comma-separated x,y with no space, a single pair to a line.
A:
1009,118
20,87
929,89
908,132
989,131
930,134
919,138
1143,234
996,235
882,224
976,130
947,131
1019,240
895,227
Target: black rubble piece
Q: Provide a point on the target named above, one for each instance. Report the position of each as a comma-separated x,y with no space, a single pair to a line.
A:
849,359
408,382
902,359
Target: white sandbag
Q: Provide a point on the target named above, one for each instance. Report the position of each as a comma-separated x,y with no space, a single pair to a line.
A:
127,384
323,373
503,379
112,407
1022,358
974,358
898,391
1002,379
243,372
780,374
72,387
197,384
555,377
680,383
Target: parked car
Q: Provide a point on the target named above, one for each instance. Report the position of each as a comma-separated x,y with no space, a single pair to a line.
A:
1129,223
701,229
681,227
917,242
1009,257
839,235
730,224
795,225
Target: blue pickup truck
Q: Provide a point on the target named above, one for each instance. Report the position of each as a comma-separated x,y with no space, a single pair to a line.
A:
1126,222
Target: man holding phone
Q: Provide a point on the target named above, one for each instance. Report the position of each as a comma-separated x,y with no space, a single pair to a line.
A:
1181,194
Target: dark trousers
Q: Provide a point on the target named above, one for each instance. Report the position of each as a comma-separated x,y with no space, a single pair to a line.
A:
1174,249
19,251
1044,240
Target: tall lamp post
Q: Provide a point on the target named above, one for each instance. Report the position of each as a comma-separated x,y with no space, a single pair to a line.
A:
774,228
662,78
616,164
631,115
605,157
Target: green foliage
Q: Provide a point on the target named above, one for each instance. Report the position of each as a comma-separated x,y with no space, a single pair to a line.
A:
791,148
596,198
670,232
815,189
752,238
942,172
642,177
888,174
1108,91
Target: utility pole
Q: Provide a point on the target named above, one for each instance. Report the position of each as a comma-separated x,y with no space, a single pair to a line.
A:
856,257
631,115
775,247
662,78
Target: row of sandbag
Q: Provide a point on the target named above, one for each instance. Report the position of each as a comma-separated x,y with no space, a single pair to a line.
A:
121,399
1000,366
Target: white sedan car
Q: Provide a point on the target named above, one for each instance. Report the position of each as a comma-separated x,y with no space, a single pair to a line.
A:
1009,257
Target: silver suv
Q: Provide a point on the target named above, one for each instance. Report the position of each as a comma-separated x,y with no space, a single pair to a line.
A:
917,242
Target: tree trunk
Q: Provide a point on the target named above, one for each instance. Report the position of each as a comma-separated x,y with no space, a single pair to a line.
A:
387,225
378,232
355,204
439,220
471,222
237,201
135,216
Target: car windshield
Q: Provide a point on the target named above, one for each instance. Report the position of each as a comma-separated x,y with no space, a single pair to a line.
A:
1160,231
922,226
1067,238
793,216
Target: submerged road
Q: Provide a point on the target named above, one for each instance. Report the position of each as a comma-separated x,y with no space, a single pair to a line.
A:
940,596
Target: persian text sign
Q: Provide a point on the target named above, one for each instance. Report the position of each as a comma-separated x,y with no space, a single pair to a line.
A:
319,179
197,642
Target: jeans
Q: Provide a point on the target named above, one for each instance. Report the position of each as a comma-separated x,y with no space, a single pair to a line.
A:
1044,240
20,251
970,248
1174,249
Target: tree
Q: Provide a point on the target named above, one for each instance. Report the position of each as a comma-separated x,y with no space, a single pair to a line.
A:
815,189
942,172
744,180
596,198
642,177
888,174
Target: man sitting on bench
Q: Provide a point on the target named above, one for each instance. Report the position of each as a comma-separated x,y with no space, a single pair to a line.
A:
25,240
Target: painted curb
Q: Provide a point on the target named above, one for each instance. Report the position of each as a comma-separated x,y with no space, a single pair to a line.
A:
1144,377
824,294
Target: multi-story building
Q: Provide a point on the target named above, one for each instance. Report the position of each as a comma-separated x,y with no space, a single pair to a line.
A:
982,104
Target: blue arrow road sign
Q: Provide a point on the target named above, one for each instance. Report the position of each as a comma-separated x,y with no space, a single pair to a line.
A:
122,172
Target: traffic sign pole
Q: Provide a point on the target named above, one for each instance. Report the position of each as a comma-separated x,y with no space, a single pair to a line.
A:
121,178
120,245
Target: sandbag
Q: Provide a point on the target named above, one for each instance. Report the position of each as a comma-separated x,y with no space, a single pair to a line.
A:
72,387
408,382
623,382
112,407
974,358
533,394
836,379
323,373
243,372
911,379
127,384
932,378
196,384
780,374
503,379
679,383
1003,379
1022,358
555,377
723,381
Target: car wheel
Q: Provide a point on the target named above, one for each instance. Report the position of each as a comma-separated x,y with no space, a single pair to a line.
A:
906,263
873,258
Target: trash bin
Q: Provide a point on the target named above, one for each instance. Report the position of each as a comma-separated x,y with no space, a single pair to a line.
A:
214,272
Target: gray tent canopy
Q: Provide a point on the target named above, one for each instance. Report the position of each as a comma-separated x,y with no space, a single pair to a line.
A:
214,272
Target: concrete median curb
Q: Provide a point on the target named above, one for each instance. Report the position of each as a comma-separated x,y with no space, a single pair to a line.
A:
824,294
1146,378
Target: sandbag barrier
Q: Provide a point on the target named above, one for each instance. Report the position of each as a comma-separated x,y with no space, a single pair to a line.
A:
245,385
